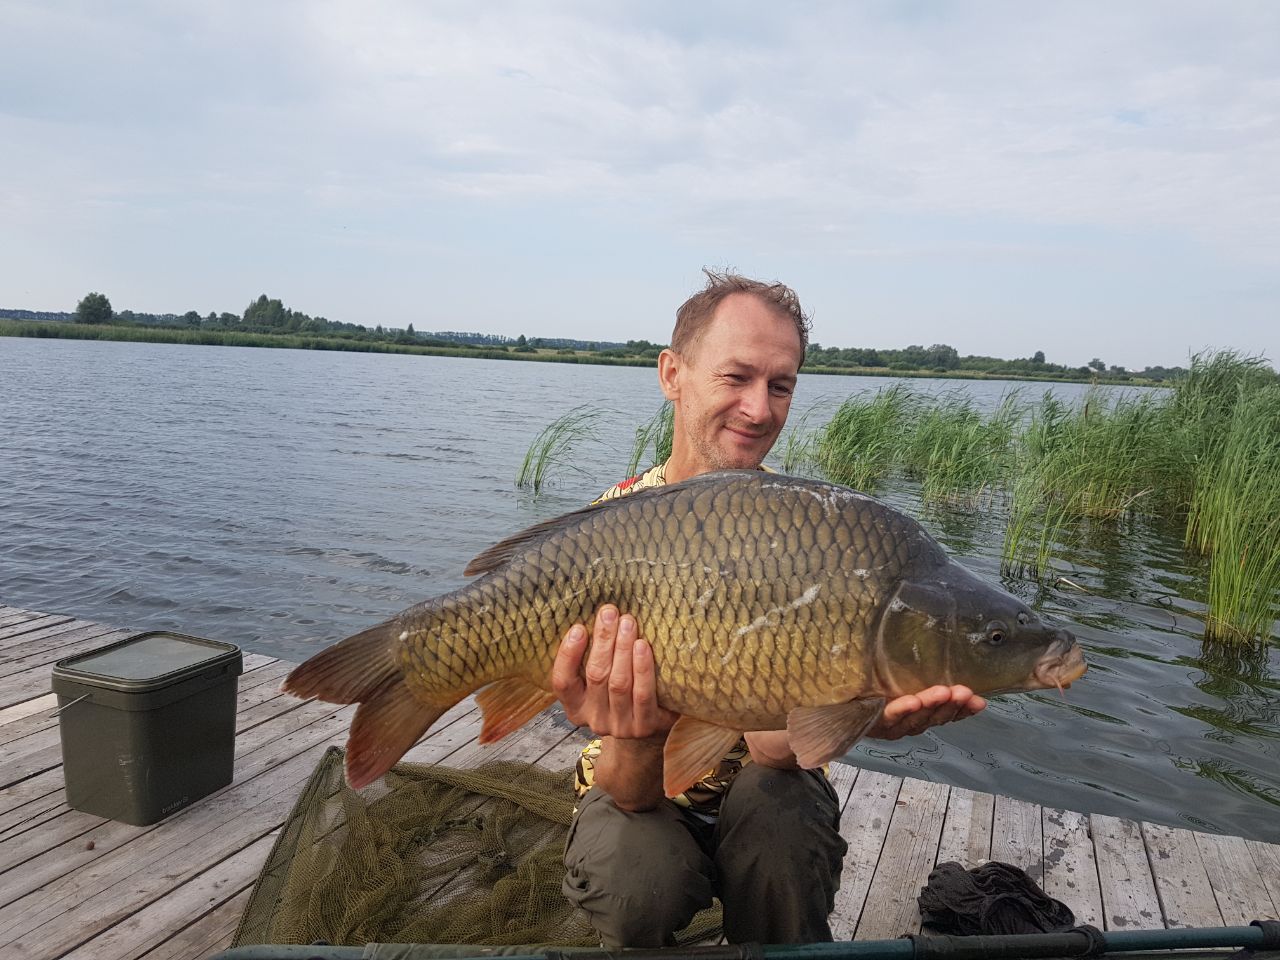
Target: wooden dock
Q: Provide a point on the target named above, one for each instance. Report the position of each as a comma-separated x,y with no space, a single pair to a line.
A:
74,885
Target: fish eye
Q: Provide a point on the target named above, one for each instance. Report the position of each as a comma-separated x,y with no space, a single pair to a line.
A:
996,632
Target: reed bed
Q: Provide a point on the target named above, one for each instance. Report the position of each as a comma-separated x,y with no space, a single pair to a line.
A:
655,433
1206,454
552,448
862,442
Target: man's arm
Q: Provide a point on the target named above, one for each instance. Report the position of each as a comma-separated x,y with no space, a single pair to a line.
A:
615,695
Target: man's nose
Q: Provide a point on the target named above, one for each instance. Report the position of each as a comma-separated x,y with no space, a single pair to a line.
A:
754,403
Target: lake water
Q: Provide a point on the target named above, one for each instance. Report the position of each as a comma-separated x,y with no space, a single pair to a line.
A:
283,499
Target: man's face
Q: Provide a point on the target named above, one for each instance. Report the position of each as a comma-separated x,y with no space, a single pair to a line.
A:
732,392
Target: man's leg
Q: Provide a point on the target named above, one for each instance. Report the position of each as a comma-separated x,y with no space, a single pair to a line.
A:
640,876
778,854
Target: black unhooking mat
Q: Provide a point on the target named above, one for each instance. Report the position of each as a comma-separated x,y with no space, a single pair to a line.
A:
994,898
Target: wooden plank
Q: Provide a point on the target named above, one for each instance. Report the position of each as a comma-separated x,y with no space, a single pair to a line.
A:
24,627
910,851
10,617
1267,858
1182,883
1129,899
13,798
1070,869
1017,835
151,925
204,937
53,642
33,679
966,833
100,894
31,802
1237,883
863,823
61,845
16,721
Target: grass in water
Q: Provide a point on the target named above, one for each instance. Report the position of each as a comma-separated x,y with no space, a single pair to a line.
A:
1235,518
551,449
656,432
860,444
960,456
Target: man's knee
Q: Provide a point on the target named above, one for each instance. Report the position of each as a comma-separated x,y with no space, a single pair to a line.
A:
788,818
640,876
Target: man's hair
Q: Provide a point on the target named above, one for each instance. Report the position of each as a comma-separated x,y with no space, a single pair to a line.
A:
695,314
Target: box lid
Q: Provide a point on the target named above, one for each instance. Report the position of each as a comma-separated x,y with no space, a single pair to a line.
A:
146,661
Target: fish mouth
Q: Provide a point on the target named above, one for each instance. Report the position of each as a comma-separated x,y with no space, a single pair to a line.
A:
1062,664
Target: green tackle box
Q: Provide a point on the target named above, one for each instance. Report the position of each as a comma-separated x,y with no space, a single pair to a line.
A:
148,724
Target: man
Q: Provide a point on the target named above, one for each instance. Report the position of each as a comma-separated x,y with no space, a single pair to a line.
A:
758,832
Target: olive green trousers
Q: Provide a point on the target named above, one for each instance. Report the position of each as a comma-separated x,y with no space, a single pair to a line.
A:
773,857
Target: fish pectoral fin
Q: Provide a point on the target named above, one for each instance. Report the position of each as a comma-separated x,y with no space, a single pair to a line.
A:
819,734
507,705
387,723
693,748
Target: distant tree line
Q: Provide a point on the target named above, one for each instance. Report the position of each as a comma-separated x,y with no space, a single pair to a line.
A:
267,315
942,358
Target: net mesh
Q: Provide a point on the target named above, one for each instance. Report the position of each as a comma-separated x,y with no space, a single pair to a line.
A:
428,854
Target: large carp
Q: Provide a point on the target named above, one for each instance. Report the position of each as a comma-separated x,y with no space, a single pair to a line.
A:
770,602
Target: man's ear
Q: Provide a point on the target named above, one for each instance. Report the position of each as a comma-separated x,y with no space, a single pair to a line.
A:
669,364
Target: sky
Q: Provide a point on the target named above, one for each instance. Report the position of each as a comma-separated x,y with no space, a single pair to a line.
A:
1087,179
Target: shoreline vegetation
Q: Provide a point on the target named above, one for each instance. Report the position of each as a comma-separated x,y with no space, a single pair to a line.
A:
1202,457
269,323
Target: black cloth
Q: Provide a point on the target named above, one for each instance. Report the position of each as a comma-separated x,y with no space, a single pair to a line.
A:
995,898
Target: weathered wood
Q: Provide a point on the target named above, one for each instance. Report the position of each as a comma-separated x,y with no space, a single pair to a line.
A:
891,910
55,641
1070,868
966,833
28,625
1267,858
31,677
20,711
863,823
208,890
24,718
1182,883
1017,835
1129,900
1237,884
203,937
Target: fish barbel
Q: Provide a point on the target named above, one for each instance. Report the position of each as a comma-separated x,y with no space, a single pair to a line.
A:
770,602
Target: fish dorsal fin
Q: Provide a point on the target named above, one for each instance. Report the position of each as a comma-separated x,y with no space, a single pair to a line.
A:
693,748
501,552
819,734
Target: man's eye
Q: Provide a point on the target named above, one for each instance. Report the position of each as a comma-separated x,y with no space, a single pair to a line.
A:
780,390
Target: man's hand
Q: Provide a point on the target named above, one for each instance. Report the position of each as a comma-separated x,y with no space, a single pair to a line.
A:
917,712
616,694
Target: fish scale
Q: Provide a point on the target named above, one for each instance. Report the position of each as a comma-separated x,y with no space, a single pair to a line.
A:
769,602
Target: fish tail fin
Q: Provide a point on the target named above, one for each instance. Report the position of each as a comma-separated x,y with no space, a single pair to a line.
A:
350,671
389,719
385,726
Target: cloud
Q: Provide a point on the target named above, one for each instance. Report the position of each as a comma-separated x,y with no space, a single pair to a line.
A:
850,132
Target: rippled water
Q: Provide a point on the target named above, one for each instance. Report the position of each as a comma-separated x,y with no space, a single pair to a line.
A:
282,499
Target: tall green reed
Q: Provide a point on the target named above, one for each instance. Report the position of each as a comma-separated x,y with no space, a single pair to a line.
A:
552,448
655,433
860,444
